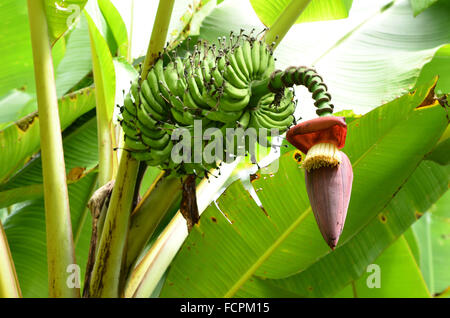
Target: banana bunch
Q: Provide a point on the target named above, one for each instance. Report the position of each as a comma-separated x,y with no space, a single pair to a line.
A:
214,84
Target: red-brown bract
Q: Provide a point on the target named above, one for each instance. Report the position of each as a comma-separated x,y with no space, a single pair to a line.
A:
328,186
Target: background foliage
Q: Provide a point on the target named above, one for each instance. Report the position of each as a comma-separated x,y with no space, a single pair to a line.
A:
379,59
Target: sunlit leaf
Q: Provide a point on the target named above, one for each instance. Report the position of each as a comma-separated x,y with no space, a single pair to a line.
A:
393,274
104,74
288,240
21,140
15,105
77,60
15,48
330,274
433,235
116,24
317,10
439,65
25,230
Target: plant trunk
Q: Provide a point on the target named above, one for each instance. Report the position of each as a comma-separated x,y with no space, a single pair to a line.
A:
60,249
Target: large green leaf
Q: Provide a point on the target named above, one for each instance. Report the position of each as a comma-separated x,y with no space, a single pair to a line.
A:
15,105
77,60
80,156
116,24
317,10
399,276
366,60
26,225
21,140
15,48
433,235
104,74
439,65
25,230
329,274
385,147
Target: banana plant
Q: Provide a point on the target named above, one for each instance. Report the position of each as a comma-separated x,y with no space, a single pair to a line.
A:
182,159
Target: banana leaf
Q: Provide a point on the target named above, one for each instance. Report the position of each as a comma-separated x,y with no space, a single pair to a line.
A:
236,238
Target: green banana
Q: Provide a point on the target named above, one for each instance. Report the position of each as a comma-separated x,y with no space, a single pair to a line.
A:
233,63
231,76
129,130
189,102
221,116
153,82
159,143
149,132
255,58
151,111
269,123
127,116
244,120
180,117
234,92
145,118
171,78
240,60
159,71
134,144
279,116
195,93
263,59
247,52
163,153
147,94
218,77
129,105
135,93
233,105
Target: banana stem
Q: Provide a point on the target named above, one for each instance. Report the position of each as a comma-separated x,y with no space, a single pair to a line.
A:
148,272
109,259
159,34
9,284
259,89
60,248
162,195
285,21
280,80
